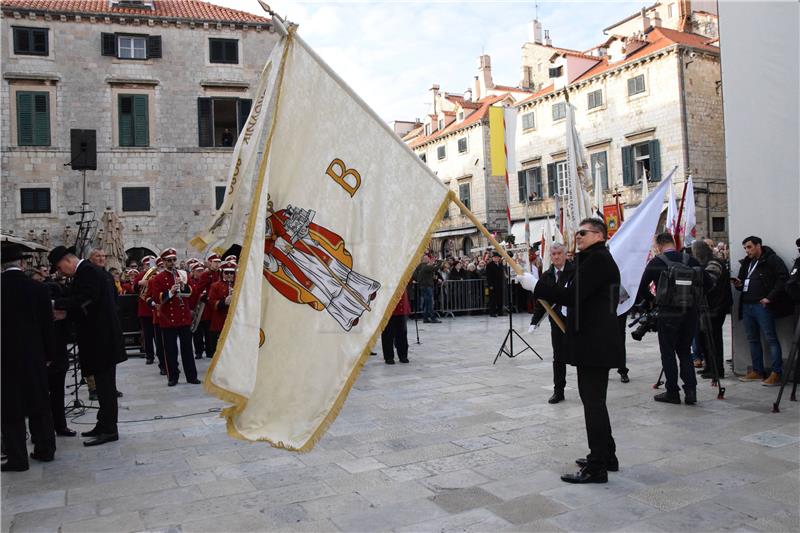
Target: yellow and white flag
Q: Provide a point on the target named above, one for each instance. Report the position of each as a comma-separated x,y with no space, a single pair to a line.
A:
341,211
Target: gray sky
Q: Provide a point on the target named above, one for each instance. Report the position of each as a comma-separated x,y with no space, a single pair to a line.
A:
391,52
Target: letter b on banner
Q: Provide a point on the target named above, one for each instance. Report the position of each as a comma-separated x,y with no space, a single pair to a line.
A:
348,178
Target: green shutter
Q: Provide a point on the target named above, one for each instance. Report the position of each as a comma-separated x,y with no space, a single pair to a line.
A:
627,165
243,106
655,161
41,119
141,135
521,186
551,180
205,122
24,119
125,104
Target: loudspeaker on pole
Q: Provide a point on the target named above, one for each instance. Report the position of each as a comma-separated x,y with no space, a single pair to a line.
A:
83,145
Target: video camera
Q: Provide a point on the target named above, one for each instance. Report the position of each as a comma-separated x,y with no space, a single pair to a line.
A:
647,320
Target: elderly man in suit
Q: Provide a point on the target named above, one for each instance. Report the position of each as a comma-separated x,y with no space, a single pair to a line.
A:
559,274
27,344
592,341
90,304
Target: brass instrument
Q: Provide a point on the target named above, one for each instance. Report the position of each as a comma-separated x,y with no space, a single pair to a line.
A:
147,275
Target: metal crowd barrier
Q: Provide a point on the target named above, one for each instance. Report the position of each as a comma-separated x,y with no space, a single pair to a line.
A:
461,296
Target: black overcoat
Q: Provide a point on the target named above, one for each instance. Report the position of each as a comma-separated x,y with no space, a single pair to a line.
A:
90,304
592,337
27,342
556,335
495,275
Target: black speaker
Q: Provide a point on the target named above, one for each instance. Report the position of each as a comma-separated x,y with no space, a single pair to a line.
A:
84,149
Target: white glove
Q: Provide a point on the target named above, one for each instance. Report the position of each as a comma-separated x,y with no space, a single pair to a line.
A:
528,280
532,328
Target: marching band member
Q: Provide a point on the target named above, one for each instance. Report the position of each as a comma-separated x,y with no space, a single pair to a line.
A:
219,299
195,283
209,277
144,311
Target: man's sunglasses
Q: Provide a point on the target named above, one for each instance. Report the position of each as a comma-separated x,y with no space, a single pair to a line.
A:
583,232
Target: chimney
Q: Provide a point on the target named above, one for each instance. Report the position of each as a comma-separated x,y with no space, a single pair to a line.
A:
485,74
535,32
645,20
435,94
656,20
468,95
477,89
547,41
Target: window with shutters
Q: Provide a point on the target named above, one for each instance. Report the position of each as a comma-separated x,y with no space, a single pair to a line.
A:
440,124
223,51
33,118
598,163
462,145
135,199
219,196
640,161
130,47
595,98
127,46
528,121
529,184
133,120
34,200
441,152
559,111
464,194
220,120
561,176
636,85
31,41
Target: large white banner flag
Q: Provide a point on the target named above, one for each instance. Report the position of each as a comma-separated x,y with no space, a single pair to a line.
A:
578,204
671,222
631,244
340,213
688,228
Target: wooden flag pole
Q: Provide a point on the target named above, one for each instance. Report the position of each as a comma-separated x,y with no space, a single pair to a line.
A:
502,251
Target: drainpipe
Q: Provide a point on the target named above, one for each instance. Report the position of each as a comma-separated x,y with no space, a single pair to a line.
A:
684,123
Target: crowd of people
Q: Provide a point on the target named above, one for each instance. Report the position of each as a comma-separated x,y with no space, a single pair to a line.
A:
67,314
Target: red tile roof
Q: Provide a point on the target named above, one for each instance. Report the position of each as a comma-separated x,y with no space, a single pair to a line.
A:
510,89
485,104
537,94
198,10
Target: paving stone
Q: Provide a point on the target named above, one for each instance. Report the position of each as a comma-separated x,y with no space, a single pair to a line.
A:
389,517
526,509
459,500
460,479
103,524
773,439
475,520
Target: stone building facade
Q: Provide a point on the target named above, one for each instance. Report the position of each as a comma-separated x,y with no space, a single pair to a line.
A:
644,103
165,84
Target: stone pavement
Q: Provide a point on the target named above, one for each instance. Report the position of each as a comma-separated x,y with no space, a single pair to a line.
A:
446,443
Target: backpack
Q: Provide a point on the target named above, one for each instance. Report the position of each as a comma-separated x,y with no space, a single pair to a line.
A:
679,285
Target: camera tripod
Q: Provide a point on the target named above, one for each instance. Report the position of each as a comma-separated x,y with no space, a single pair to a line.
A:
705,328
509,338
791,368
76,405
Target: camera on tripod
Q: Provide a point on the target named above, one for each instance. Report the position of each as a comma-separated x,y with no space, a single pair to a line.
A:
647,320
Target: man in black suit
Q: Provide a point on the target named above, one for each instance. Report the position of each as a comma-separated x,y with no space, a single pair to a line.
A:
495,281
559,274
27,343
592,341
90,304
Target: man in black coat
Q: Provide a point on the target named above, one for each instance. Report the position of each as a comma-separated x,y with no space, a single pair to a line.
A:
27,343
90,304
495,281
559,274
592,341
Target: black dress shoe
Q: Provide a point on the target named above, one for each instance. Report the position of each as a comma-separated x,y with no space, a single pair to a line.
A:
584,476
690,397
102,438
43,457
172,383
66,432
389,361
666,397
11,467
194,381
556,397
611,466
404,361
91,433
198,356
149,362
436,321
426,321
119,394
624,378
373,353
163,372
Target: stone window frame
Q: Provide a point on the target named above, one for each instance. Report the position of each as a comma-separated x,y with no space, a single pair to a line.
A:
532,114
51,184
602,105
152,127
441,152
553,109
229,36
468,183
16,86
466,145
51,44
640,94
118,193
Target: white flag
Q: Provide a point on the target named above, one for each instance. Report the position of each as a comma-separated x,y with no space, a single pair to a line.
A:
630,246
689,218
339,217
671,222
578,205
598,191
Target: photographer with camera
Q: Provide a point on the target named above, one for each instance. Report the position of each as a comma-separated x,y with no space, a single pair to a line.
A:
425,275
679,282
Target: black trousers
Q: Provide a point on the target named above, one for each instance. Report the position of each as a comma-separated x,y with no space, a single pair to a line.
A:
14,438
158,339
593,387
106,387
675,333
213,340
559,369
714,348
623,370
171,337
55,381
395,335
495,300
147,336
202,338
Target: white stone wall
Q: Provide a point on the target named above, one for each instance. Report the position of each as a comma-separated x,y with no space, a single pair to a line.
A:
181,175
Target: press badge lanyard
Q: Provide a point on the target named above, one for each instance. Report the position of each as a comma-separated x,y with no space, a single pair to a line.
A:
750,270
